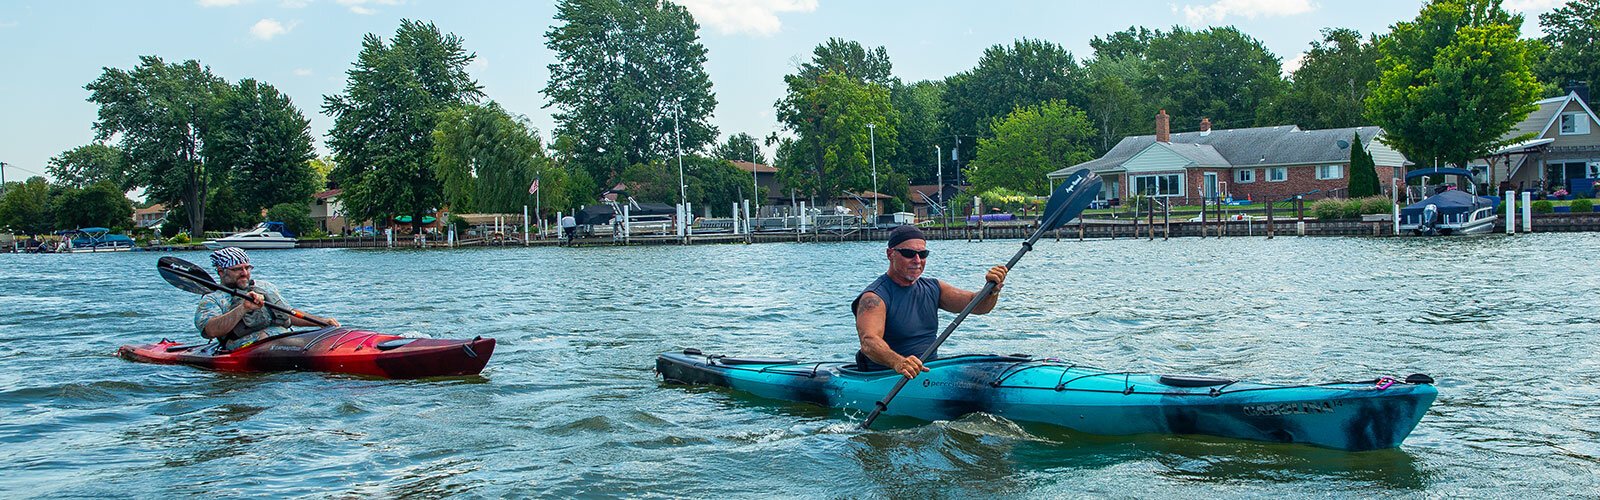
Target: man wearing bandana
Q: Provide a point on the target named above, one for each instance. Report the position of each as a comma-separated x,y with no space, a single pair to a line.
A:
237,322
897,316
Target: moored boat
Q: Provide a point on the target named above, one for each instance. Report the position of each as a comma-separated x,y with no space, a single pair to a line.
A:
93,240
1354,416
265,236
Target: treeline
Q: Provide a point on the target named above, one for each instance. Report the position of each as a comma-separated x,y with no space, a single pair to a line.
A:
414,133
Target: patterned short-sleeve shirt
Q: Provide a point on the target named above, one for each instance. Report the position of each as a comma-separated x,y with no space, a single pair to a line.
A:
219,303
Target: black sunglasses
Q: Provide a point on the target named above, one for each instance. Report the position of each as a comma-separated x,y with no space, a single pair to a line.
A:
909,253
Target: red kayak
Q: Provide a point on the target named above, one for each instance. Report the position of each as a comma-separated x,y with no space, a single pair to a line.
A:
333,350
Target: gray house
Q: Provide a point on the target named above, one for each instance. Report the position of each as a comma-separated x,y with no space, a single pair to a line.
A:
1564,153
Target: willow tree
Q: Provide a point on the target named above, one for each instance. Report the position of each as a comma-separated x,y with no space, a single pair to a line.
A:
488,160
382,136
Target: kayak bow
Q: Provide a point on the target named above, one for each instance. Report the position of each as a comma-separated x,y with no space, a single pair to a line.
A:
333,350
1352,416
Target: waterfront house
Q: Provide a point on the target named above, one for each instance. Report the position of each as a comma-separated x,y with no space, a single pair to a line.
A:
1260,163
862,203
328,212
149,216
1563,154
766,176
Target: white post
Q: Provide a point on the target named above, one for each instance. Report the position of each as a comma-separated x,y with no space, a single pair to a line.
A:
627,228
1511,212
802,217
749,226
1527,212
1396,208
524,225
735,214
388,236
977,209
452,236
688,226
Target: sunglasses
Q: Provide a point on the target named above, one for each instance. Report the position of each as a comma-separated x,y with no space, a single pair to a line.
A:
909,253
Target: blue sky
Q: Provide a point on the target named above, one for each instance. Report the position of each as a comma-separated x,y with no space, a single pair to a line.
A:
50,49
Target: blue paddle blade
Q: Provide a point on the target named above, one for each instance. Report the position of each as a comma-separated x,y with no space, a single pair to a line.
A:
185,275
1074,194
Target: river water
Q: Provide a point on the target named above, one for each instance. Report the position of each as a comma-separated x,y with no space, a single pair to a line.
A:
569,405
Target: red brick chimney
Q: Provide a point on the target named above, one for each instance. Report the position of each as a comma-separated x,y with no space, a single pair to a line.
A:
1205,124
1163,127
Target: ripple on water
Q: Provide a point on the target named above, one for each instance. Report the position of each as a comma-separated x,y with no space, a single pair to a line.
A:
569,408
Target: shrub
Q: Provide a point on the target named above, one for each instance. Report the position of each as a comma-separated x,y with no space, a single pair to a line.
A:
1352,209
178,239
1582,205
1328,208
1376,205
1543,207
459,223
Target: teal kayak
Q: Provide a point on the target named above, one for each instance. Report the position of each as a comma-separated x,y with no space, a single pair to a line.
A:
1354,416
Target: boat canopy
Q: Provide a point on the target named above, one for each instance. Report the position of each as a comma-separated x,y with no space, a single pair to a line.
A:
1451,202
1439,171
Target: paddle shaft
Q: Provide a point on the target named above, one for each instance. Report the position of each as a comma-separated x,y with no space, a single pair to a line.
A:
292,312
988,288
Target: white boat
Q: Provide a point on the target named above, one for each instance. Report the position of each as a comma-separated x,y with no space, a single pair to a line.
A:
266,236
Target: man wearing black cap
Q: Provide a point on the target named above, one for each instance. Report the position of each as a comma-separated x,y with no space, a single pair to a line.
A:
897,316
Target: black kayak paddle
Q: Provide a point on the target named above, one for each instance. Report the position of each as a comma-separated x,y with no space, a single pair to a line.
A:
195,279
1069,199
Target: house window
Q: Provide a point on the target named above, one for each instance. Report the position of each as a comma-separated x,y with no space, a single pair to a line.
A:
1574,124
1277,174
1158,185
1325,172
1244,176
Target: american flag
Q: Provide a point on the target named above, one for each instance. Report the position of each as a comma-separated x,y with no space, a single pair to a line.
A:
534,188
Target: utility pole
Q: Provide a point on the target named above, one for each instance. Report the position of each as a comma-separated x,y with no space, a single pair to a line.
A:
938,158
683,189
3,178
755,184
872,136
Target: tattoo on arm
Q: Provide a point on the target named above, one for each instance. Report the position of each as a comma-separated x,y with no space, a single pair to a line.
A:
868,302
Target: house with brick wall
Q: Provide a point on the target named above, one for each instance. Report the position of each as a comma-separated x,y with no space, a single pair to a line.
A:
1260,163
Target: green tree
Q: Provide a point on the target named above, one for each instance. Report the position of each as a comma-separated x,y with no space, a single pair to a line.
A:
1363,173
160,113
99,205
26,207
1030,142
488,161
1453,81
82,166
1216,73
740,147
920,106
223,212
831,118
1329,90
1573,34
1027,72
626,69
1116,105
321,168
711,182
296,216
382,136
1130,43
266,143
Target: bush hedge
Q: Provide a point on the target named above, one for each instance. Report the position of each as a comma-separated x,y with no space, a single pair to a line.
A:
1328,209
1543,207
1582,205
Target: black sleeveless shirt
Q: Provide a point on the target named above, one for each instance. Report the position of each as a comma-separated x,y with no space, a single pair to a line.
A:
912,320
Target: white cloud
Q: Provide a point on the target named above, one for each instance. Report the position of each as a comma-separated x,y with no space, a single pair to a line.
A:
1292,64
1532,5
478,65
220,3
267,29
362,6
1249,9
302,72
752,17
